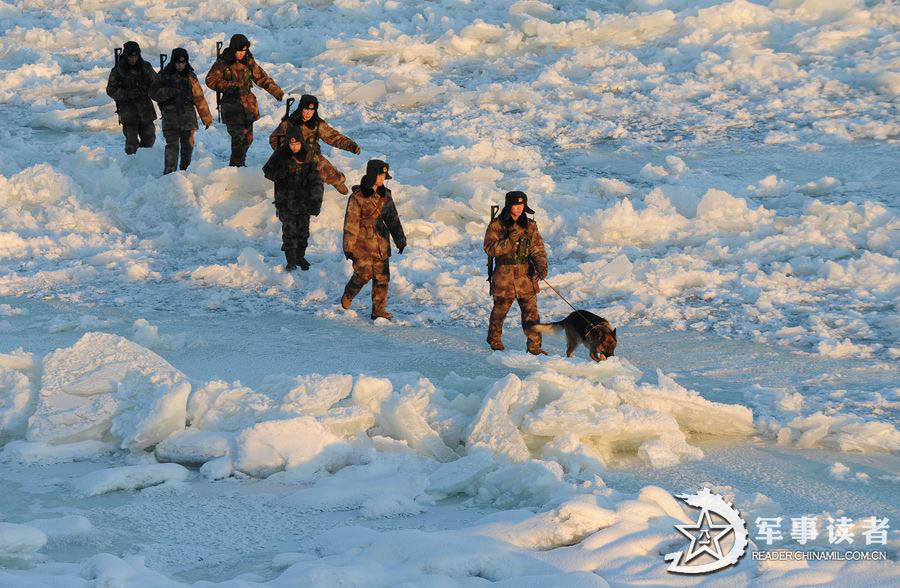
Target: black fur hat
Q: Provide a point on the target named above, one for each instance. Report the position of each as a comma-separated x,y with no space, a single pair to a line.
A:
517,197
373,168
131,48
293,132
238,42
309,101
179,55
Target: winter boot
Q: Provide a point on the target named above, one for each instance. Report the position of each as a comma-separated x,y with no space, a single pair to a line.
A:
536,350
291,260
300,259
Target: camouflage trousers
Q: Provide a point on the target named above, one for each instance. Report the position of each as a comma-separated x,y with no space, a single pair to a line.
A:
529,308
138,135
376,270
330,174
294,233
177,140
241,138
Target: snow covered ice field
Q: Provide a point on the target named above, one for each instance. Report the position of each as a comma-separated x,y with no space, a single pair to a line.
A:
718,179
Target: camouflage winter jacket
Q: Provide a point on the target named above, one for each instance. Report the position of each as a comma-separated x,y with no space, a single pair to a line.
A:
319,129
370,219
129,87
234,79
180,98
519,256
298,185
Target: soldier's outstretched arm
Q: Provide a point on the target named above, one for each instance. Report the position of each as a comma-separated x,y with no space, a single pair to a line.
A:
200,102
262,79
496,243
351,226
334,138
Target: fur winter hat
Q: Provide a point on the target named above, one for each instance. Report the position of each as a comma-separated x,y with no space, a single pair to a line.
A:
293,132
373,168
239,42
309,101
517,197
131,48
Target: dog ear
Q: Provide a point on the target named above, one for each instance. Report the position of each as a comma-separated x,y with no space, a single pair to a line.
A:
614,332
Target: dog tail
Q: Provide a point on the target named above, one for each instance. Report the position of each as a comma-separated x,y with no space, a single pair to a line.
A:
554,328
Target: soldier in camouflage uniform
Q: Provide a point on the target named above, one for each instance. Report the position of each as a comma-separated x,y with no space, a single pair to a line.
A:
515,243
314,128
180,99
298,194
233,74
129,85
371,217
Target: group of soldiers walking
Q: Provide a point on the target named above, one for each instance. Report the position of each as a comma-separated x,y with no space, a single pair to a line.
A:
300,172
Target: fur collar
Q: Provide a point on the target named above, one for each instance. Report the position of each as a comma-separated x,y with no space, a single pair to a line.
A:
367,192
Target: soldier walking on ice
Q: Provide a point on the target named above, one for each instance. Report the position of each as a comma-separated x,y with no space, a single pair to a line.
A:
233,74
370,219
298,195
129,85
314,128
180,99
515,243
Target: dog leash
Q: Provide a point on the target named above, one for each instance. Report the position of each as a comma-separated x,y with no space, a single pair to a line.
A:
549,285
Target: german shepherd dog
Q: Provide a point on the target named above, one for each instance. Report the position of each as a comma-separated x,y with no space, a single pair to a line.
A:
586,328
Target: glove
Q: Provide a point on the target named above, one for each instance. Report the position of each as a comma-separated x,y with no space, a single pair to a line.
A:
400,249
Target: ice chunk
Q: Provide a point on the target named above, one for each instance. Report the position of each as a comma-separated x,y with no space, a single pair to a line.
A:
496,424
64,528
311,394
370,392
532,483
217,469
192,447
44,453
16,403
347,421
460,476
220,406
301,444
103,385
129,478
19,541
401,417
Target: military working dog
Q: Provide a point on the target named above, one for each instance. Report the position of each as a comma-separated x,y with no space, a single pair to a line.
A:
583,327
